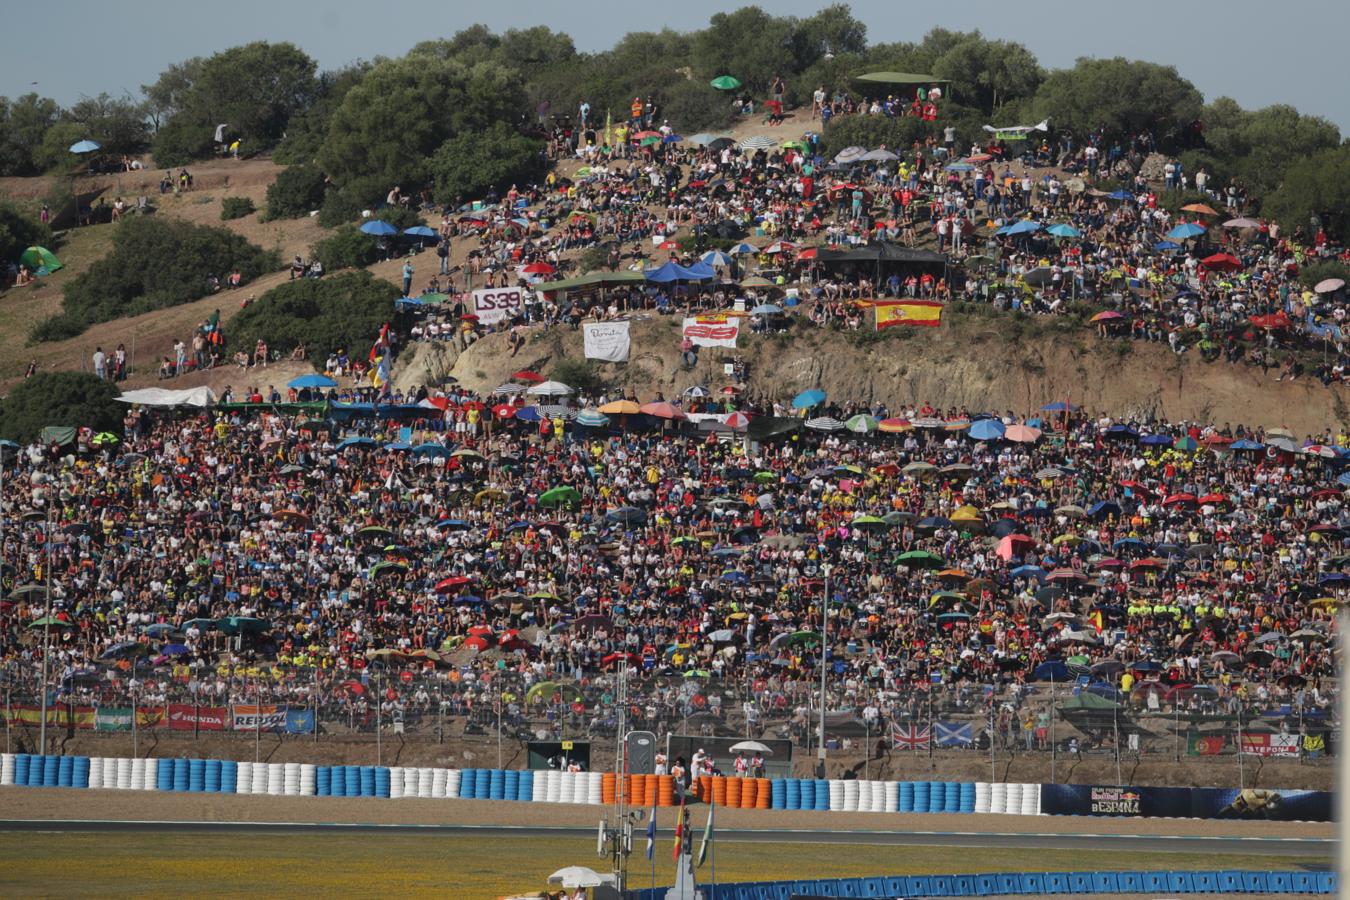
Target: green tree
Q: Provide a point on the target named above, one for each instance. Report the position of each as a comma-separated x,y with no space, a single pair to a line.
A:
297,191
748,44
307,129
392,121
154,263
76,399
255,89
53,154
1315,188
235,208
18,232
23,124
346,248
1258,146
1117,94
344,311
119,124
987,74
165,97
870,132
470,164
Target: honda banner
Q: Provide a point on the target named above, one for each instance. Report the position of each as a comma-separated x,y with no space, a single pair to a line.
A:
185,717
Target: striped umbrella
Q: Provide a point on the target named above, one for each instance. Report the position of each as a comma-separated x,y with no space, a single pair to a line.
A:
824,423
862,424
758,142
894,426
592,418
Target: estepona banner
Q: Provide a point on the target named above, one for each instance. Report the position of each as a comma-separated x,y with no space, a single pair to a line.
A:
608,341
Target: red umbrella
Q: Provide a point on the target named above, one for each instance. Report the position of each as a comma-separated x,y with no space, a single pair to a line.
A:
527,375
1178,499
668,245
503,410
539,268
809,253
1271,320
477,643
1214,499
452,582
737,420
1222,262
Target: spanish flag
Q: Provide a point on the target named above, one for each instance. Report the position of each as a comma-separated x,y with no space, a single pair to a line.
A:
927,313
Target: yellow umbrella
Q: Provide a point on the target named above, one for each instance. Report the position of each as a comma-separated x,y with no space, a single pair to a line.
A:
620,407
966,514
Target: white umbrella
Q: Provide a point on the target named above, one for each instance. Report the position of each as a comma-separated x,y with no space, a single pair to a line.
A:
508,389
751,747
549,389
577,877
1327,285
1242,223
878,155
850,154
758,142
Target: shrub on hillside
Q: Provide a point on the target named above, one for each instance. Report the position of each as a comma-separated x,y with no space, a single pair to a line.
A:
583,375
345,204
155,263
18,232
297,192
59,398
470,164
324,314
346,248
235,208
870,132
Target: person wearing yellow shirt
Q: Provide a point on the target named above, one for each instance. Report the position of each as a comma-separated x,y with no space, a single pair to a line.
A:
1126,682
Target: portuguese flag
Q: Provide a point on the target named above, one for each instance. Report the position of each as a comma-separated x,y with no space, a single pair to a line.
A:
1205,744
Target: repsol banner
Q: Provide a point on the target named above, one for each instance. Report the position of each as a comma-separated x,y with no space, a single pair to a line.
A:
1188,803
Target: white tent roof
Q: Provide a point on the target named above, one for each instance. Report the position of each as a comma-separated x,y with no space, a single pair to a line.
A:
198,396
549,389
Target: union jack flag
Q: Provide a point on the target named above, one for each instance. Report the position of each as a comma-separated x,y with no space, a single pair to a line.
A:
911,737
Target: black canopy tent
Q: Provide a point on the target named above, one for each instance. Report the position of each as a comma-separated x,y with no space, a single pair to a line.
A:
882,258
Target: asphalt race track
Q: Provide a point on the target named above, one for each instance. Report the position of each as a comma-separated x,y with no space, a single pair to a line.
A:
1264,846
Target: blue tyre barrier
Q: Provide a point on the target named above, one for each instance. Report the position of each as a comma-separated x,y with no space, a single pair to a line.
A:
968,797
511,785
382,781
906,798
323,781
338,781
81,772
351,775
778,793
164,775
180,774
22,765
496,784
952,800
466,783
367,781
525,790
937,796
65,772
212,776
197,775
482,788
229,777
822,791
792,793
51,768
922,795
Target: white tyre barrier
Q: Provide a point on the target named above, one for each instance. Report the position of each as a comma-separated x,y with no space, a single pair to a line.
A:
552,786
878,797
593,785
864,791
1031,799
541,779
309,779
981,796
276,779
836,794
291,779
851,796
425,782
7,769
95,773
396,783
892,796
123,774
150,775
244,780
454,783
260,771
137,775
998,798
1013,806
581,788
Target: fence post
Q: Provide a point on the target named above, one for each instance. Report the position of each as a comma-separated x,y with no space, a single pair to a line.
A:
440,713
315,729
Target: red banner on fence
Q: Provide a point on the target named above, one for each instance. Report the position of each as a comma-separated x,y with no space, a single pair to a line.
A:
183,717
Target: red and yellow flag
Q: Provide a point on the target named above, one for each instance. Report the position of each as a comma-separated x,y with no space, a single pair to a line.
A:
927,313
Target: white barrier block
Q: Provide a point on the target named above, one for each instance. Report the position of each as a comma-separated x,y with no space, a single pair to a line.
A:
878,797
244,779
1013,806
7,768
1031,800
122,781
982,796
152,774
138,775
291,779
453,779
891,796
864,792
276,779
396,782
260,771
581,788
593,787
95,773
540,794
309,779
837,795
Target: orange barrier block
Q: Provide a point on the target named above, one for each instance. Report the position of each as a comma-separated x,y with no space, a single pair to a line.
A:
733,792
607,788
665,791
719,790
764,794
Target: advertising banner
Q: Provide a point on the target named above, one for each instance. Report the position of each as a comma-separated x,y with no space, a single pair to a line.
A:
1270,745
608,341
890,313
712,331
248,717
185,717
118,718
1187,803
493,305
299,721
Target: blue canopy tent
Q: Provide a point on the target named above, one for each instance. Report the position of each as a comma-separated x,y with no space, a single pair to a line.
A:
673,271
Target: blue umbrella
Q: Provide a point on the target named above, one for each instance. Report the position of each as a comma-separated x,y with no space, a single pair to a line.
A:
1028,572
671,139
1062,230
1185,231
1103,508
1059,406
529,414
85,146
1166,245
356,442
432,449
378,228
716,258
1120,195
987,430
467,600
420,231
1245,444
808,399
1051,670
1156,440
742,249
1026,226
735,577
960,167
311,381
591,418
175,650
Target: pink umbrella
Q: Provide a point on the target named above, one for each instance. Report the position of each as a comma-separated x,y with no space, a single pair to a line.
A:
1022,434
662,410
1014,545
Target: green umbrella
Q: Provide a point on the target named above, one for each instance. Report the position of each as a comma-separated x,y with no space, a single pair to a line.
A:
105,437
37,258
765,477
434,297
793,145
919,559
868,522
382,567
725,83
649,141
48,622
862,424
561,494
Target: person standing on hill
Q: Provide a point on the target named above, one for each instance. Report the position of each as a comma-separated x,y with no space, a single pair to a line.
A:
407,278
100,363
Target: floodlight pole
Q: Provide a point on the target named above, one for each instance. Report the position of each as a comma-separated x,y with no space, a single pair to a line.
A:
46,631
824,642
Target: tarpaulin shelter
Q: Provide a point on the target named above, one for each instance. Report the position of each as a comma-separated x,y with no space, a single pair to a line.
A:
881,258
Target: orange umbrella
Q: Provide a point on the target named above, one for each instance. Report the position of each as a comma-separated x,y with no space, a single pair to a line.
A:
1200,208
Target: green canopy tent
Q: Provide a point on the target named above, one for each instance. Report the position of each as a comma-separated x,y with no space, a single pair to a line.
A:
905,79
40,260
